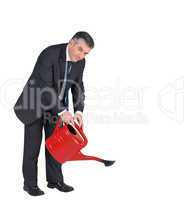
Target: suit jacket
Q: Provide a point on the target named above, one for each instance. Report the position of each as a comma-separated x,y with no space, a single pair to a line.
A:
40,94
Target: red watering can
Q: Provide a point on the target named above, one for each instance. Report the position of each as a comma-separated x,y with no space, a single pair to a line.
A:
66,142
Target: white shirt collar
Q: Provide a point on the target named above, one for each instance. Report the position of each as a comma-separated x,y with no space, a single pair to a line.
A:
67,54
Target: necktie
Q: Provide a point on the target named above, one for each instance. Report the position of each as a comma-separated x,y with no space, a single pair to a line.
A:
66,99
64,90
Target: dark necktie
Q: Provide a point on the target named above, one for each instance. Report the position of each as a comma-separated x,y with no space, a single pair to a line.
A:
64,91
66,99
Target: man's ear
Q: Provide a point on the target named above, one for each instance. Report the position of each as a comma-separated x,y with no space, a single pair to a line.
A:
71,43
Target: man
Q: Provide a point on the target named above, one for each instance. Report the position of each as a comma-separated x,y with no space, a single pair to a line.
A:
45,97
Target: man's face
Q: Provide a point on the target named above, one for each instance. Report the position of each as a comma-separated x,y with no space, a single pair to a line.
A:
78,49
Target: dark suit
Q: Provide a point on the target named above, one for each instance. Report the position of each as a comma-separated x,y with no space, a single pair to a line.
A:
39,99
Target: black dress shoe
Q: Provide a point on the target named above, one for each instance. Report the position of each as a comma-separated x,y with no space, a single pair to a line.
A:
33,191
60,186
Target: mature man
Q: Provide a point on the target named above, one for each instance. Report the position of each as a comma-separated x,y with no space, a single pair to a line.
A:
45,97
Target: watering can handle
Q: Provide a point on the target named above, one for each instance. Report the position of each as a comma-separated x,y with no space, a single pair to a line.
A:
80,129
60,124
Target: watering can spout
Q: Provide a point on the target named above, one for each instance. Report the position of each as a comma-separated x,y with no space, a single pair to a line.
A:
81,156
108,163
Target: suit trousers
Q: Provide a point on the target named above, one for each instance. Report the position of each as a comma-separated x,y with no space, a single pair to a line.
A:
32,143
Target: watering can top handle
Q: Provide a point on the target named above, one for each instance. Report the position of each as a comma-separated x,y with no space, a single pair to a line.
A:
75,126
78,129
60,123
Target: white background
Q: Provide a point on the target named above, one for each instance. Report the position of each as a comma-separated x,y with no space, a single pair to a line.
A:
134,95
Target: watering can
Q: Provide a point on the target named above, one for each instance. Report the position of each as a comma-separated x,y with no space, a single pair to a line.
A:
66,142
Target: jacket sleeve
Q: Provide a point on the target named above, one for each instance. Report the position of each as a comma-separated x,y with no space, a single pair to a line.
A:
78,91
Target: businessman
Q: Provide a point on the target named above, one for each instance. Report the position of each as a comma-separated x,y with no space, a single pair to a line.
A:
44,98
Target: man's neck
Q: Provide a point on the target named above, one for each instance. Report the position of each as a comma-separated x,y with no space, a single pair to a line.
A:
67,54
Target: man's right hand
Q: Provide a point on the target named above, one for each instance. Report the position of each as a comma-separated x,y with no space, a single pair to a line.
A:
67,117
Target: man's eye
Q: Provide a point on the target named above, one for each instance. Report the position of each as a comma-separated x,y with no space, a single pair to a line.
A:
80,49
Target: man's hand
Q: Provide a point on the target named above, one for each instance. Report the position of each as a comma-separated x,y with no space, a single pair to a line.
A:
78,118
67,117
